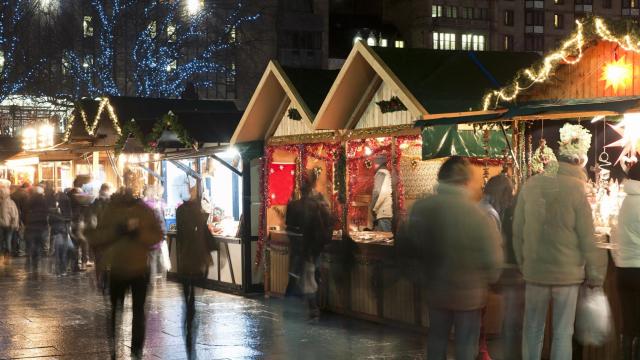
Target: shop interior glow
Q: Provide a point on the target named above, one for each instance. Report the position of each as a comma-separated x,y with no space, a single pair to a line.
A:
617,74
569,53
38,138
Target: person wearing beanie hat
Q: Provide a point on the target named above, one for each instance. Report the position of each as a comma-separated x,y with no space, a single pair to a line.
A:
381,206
554,245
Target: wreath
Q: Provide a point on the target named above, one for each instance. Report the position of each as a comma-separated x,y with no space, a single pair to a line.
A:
544,161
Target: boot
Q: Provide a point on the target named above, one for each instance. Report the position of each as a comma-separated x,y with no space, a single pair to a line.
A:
626,347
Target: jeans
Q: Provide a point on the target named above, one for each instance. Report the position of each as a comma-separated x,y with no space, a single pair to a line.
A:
382,225
513,299
61,244
35,239
537,299
118,289
467,333
6,237
190,325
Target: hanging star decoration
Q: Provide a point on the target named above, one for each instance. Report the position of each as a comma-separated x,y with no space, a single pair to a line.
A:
629,130
617,74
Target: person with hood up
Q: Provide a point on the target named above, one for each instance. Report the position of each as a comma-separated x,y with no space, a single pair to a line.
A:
9,219
127,235
554,245
626,236
461,255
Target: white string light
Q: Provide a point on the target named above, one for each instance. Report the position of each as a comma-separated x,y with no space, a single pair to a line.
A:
570,53
93,126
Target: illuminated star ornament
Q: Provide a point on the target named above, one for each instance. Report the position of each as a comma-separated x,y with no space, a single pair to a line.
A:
629,129
617,74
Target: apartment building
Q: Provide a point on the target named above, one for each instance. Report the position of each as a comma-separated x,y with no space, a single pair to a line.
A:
501,25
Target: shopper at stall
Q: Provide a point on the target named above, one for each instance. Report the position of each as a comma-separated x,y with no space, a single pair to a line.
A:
9,220
627,259
381,207
36,227
194,259
461,255
497,201
60,222
553,240
310,218
127,233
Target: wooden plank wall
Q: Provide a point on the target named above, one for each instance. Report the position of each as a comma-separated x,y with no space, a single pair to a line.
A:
373,117
288,127
584,79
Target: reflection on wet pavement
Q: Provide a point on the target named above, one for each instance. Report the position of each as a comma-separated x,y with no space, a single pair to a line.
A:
48,317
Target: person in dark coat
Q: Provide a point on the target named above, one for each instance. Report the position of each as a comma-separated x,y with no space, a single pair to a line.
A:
36,227
127,234
310,222
194,259
98,211
80,207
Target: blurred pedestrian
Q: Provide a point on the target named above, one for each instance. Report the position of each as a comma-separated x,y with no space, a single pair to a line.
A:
627,259
152,197
9,220
127,233
98,212
60,222
462,255
310,218
193,251
497,201
20,196
80,202
50,199
36,227
554,245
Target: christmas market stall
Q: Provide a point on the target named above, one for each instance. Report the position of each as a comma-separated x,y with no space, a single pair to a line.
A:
373,104
184,144
277,139
586,92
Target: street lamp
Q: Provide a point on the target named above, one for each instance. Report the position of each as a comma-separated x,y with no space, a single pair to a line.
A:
194,7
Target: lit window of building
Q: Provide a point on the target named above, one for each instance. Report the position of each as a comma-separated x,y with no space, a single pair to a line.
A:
558,21
87,26
88,61
473,42
451,12
384,42
444,41
171,32
1,60
508,42
436,11
399,44
153,27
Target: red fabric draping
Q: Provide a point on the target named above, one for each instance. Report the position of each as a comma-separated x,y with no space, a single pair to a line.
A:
281,182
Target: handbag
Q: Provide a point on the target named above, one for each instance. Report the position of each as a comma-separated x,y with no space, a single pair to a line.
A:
164,257
593,317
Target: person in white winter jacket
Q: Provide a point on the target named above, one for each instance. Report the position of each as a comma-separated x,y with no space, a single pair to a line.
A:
626,235
381,198
9,220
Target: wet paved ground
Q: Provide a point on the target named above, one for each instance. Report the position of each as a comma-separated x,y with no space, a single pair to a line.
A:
46,317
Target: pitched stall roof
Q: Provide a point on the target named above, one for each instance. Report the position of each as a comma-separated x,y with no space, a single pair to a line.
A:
426,81
205,120
305,89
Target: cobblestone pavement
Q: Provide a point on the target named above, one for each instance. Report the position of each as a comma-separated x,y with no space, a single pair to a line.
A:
48,317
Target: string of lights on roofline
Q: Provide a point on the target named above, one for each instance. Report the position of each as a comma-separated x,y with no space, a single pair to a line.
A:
570,53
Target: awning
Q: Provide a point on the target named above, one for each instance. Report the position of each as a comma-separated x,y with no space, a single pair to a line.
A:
22,159
542,110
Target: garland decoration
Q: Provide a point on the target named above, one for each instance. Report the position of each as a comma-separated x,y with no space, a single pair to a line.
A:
392,105
294,114
150,143
131,128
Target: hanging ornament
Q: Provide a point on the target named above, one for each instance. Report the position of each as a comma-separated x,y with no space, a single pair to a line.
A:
543,161
414,164
529,155
485,146
367,164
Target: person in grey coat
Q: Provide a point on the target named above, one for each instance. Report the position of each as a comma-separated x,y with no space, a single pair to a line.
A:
462,254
